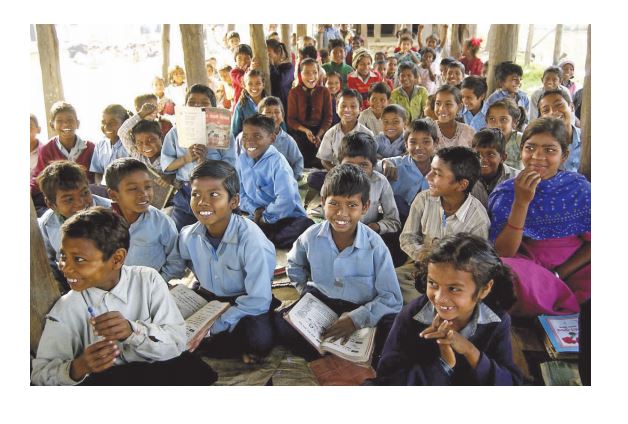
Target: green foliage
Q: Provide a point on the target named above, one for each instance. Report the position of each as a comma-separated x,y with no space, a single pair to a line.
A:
531,80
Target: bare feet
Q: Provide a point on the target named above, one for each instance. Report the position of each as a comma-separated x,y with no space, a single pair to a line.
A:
249,358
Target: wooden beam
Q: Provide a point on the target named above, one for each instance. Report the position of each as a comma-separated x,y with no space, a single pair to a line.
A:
364,33
44,288
558,44
377,32
260,52
528,55
301,30
503,46
48,47
585,115
165,50
286,37
193,54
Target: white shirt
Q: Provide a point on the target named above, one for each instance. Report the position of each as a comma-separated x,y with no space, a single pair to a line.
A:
328,150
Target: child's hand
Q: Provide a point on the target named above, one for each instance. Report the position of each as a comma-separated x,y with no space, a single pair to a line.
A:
438,330
112,326
525,185
374,226
421,27
341,329
436,322
97,357
148,109
199,151
310,135
257,215
389,170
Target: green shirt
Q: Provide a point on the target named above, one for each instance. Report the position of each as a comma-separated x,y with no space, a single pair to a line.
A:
343,69
413,105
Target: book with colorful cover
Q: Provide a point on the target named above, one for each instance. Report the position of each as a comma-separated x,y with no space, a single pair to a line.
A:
562,332
209,126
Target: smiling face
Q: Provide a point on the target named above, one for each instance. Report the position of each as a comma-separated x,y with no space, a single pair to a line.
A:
428,58
543,154
364,66
391,67
407,80
511,83
110,125
392,125
178,77
551,81
333,84
275,113
348,110
405,46
361,161
198,100
472,102
134,193
69,202
498,117
65,125
453,294
445,107
344,212
211,205
254,85
158,87
83,265
441,180
454,76
556,106
309,75
255,141
489,161
420,147
148,144
431,42
568,71
377,102
243,61
338,55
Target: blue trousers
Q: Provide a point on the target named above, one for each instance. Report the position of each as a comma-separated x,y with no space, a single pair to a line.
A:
316,179
284,232
181,211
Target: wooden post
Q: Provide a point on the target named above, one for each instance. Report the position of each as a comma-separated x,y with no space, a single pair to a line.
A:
165,49
473,30
364,32
48,47
193,54
230,27
286,33
301,30
558,42
260,52
528,56
44,288
456,44
377,32
503,46
585,115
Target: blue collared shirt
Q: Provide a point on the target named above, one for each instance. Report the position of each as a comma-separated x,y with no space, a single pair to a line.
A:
171,151
241,112
286,145
242,265
105,153
477,121
363,273
520,98
387,148
573,161
409,181
269,183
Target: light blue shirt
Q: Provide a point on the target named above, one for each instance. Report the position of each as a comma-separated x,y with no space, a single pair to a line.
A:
153,244
520,98
386,148
285,144
241,112
409,181
363,273
242,265
171,151
477,121
573,161
105,153
50,227
269,183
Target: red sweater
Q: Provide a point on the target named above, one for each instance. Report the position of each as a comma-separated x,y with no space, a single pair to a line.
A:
49,152
355,82
237,80
473,67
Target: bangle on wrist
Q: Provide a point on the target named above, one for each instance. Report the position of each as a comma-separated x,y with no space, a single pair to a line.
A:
513,227
556,274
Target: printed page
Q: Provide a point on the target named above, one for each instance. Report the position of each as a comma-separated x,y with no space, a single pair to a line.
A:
218,122
206,315
187,301
191,127
358,345
311,317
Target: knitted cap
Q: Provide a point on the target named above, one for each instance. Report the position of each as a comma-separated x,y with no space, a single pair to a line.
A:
566,61
359,54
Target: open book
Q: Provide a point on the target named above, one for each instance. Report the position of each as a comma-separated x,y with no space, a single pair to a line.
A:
561,335
199,314
210,126
310,317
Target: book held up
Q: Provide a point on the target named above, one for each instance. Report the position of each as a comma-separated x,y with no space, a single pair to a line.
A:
209,126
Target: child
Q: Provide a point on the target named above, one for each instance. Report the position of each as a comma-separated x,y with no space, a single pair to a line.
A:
309,112
111,147
433,41
472,63
568,66
281,70
177,87
406,53
428,110
364,76
227,86
391,70
136,332
441,78
508,117
153,233
551,81
334,85
355,43
458,332
427,76
409,95
455,73
65,145
490,144
447,207
508,75
390,141
473,91
65,189
556,104
337,63
243,55
165,105
179,160
268,191
309,52
344,264
35,129
233,260
324,55
447,103
252,93
232,39
380,66
211,76
371,118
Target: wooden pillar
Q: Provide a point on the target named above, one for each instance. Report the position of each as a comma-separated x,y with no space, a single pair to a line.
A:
165,49
260,52
286,36
230,27
503,46
558,44
301,30
48,47
193,54
364,32
44,288
528,56
473,30
456,41
585,115
377,32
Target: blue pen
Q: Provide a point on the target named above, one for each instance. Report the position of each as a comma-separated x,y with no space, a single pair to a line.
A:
91,311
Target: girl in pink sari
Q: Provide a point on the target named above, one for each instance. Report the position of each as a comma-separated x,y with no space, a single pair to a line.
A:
541,225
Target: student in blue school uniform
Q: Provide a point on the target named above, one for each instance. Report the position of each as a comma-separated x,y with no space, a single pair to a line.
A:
508,75
233,262
66,191
473,91
118,325
153,233
181,160
345,264
268,190
457,333
390,142
110,148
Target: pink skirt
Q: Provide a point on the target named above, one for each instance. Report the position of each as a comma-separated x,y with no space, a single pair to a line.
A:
537,288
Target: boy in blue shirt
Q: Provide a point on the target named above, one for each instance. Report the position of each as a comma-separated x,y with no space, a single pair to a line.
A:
390,142
473,91
153,233
111,147
233,262
508,75
268,190
65,189
345,264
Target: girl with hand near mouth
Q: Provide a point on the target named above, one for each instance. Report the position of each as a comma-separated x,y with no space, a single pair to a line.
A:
447,103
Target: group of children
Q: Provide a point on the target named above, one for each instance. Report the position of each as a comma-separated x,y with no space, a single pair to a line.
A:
444,182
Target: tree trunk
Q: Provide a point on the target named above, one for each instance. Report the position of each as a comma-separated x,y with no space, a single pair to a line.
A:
260,53
585,115
165,49
230,27
459,32
558,43
48,47
301,30
377,32
286,37
473,30
193,54
364,33
503,46
528,55
44,288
